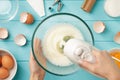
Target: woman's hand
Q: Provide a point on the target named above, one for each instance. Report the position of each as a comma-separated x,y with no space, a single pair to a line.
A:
37,73
104,66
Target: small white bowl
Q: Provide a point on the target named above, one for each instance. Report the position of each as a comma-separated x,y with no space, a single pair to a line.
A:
14,69
8,9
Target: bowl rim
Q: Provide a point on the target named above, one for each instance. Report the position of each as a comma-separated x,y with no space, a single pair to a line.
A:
16,66
113,49
13,15
44,21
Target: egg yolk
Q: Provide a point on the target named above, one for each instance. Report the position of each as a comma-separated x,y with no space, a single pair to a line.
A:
116,54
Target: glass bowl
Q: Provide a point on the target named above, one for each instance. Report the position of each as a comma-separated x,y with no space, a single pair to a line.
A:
40,33
8,9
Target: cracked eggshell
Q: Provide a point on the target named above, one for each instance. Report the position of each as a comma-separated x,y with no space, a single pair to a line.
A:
117,38
26,18
20,40
99,27
112,8
3,33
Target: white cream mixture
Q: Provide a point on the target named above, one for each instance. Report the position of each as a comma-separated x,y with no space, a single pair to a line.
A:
55,39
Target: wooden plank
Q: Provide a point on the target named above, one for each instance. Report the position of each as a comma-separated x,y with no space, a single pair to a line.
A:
112,27
15,28
71,6
23,53
23,73
79,75
20,53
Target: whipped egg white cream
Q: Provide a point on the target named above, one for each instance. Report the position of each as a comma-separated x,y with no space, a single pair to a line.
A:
54,41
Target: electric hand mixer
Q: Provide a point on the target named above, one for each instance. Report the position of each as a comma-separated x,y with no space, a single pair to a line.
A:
76,50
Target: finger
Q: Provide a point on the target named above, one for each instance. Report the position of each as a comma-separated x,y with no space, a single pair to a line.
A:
86,65
38,51
37,46
31,55
96,53
37,42
32,60
105,52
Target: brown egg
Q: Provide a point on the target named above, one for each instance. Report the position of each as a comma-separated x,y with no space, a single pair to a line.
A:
4,73
7,62
0,60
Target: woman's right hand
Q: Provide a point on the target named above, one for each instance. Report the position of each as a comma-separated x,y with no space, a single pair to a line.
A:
104,66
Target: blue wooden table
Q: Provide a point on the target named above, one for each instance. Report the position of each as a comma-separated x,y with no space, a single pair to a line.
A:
102,41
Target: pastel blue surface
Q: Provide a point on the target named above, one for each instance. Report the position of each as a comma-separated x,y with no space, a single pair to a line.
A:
102,41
